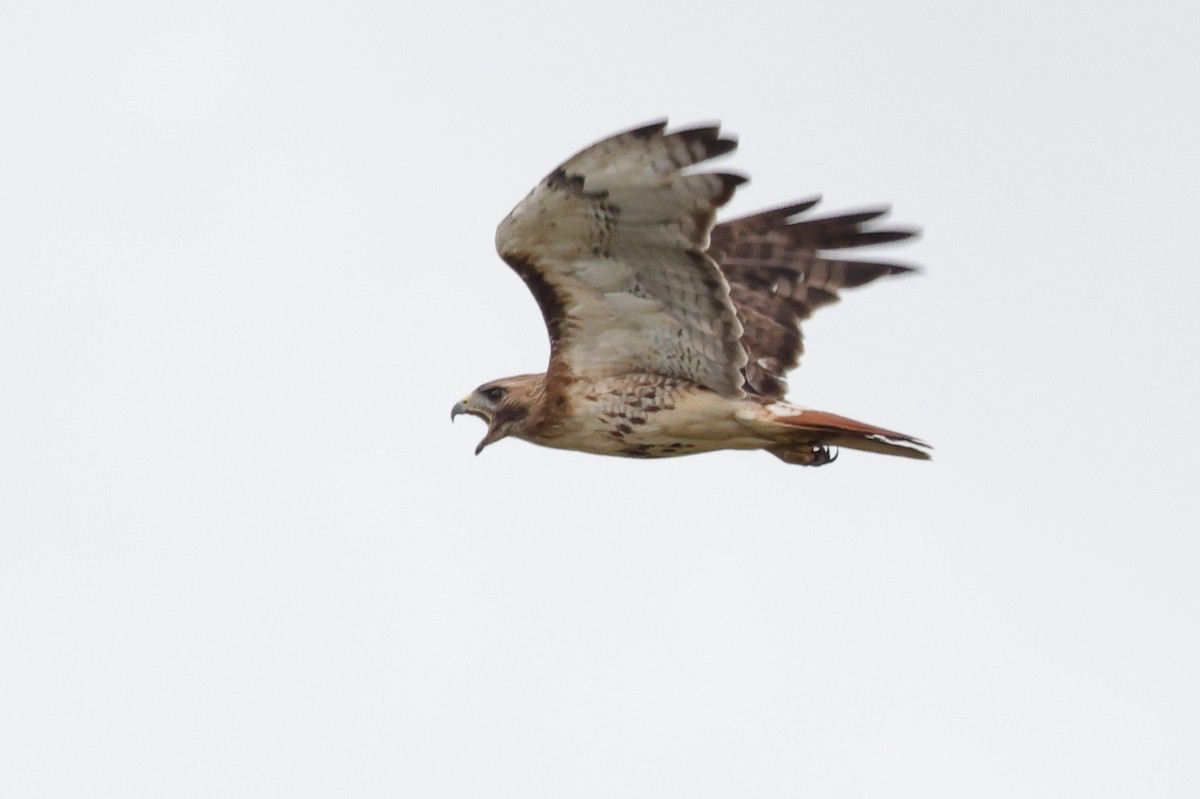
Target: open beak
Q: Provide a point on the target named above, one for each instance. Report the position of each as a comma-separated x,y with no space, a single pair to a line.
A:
492,434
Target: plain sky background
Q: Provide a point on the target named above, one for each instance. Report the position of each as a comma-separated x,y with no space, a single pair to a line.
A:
247,266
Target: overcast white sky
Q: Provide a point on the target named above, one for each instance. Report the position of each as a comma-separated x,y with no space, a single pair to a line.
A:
246,268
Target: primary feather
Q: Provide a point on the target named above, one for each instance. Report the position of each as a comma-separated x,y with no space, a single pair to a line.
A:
670,333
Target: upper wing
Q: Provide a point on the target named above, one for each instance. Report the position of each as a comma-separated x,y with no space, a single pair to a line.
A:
779,273
612,245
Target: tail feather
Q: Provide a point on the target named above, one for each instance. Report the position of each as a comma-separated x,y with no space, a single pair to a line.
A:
816,431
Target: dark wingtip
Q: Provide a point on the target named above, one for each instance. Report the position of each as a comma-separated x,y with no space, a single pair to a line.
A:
860,273
649,130
721,147
792,209
858,217
729,184
868,237
705,130
709,135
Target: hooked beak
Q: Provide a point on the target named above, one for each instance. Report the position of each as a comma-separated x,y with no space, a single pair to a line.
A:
493,433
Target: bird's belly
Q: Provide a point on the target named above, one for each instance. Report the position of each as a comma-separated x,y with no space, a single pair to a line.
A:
667,425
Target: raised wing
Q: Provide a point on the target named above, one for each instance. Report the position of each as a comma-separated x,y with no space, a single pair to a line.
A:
779,271
612,245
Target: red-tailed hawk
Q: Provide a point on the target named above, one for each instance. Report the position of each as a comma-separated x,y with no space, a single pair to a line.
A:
669,336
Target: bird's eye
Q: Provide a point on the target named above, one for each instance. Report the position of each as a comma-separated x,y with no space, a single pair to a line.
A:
493,394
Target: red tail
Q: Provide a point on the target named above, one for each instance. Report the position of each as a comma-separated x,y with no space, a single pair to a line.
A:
816,431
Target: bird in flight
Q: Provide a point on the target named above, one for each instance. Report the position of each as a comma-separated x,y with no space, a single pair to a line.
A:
669,334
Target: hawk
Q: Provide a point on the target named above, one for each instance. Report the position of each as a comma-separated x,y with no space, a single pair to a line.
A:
670,335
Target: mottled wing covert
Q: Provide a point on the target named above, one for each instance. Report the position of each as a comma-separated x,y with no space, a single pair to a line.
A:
612,245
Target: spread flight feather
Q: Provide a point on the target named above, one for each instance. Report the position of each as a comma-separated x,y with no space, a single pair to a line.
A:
670,334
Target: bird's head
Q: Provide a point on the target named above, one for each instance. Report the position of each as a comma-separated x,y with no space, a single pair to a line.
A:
504,404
